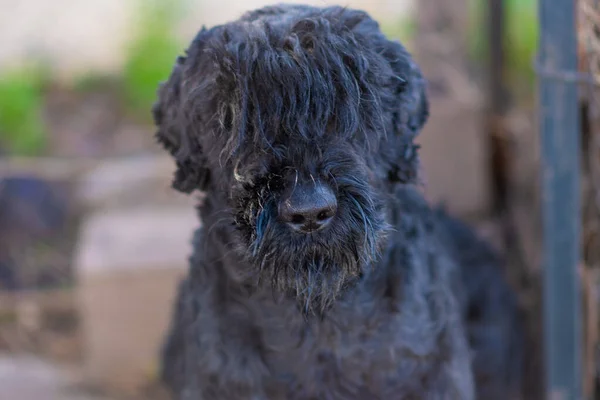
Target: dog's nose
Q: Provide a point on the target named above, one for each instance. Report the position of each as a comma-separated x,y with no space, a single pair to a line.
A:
309,207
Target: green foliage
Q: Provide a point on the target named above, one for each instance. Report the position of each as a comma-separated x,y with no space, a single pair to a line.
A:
522,39
521,30
402,29
22,128
151,54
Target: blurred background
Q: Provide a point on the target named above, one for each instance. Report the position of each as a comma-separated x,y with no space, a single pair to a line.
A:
93,240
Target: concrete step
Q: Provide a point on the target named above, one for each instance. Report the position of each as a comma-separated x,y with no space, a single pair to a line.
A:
30,378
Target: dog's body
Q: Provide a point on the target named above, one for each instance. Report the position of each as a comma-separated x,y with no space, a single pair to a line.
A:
384,338
320,272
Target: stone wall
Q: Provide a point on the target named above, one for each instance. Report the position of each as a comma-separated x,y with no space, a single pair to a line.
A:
132,252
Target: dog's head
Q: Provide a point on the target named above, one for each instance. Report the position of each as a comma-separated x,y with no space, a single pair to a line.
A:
299,120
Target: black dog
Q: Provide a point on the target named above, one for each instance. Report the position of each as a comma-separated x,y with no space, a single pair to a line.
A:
320,272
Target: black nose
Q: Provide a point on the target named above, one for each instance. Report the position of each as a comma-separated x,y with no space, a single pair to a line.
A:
309,207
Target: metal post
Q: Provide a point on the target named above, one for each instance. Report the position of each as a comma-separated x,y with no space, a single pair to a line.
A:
559,124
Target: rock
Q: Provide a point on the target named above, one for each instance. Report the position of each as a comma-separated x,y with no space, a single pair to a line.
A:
29,378
31,206
128,264
131,181
454,159
454,151
33,211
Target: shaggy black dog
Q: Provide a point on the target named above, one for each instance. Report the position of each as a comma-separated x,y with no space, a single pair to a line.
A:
320,272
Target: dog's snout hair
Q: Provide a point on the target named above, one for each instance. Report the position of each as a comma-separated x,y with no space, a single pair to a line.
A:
319,272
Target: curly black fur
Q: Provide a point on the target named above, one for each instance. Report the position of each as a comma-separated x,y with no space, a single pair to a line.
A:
369,307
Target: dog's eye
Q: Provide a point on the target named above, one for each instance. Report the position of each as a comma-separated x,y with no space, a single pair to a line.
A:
238,176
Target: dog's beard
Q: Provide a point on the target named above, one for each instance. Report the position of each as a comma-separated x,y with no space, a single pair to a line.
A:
316,280
316,269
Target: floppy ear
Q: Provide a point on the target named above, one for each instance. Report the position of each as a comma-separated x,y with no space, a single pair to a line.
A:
173,133
403,98
410,111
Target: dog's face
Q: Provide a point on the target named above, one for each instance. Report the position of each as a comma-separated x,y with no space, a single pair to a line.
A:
299,121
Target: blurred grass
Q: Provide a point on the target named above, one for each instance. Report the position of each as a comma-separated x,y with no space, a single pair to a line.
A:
151,54
521,30
22,129
149,59
402,29
521,37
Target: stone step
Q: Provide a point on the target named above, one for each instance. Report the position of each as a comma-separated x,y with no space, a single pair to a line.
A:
30,378
131,181
128,264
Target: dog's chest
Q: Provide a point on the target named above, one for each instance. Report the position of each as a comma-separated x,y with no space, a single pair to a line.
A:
356,355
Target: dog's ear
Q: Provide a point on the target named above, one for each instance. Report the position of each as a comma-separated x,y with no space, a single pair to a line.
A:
173,133
410,111
404,97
